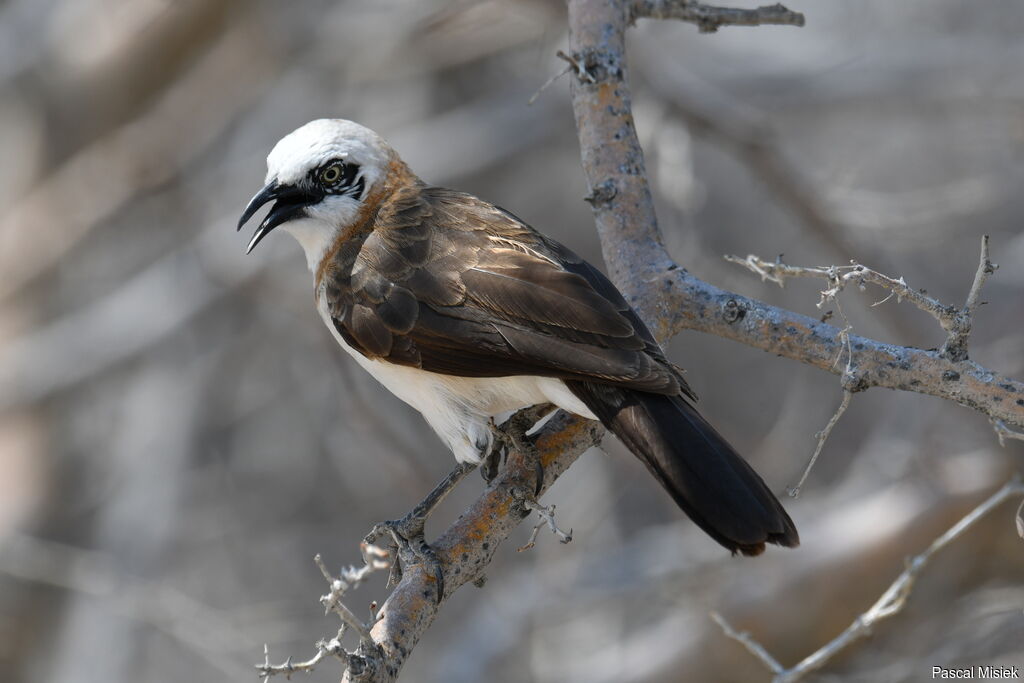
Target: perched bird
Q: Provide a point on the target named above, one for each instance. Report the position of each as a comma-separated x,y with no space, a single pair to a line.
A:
463,311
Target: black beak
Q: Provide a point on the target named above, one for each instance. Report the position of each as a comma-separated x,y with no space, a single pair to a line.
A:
291,204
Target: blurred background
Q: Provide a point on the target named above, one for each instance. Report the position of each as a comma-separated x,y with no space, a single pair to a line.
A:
179,434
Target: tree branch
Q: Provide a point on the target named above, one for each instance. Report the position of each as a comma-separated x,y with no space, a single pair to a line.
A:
671,299
709,19
467,546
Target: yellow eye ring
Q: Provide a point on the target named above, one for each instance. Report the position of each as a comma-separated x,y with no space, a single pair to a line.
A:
331,175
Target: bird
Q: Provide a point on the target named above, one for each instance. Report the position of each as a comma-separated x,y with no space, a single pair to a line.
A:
465,312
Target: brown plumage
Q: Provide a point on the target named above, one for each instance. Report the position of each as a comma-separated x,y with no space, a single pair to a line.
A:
438,281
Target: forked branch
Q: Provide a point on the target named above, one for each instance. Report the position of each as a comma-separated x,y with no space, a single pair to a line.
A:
957,322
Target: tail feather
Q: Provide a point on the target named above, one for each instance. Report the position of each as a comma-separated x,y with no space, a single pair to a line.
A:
709,480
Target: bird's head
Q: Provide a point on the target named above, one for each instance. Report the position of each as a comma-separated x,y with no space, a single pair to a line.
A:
320,178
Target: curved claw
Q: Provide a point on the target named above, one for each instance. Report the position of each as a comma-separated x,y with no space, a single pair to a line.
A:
407,536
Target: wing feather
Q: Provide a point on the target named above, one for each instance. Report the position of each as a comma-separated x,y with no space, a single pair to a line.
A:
451,284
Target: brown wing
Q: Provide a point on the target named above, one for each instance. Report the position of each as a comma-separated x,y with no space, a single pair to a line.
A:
450,284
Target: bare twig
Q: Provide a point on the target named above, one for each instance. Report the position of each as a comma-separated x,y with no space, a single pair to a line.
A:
332,648
374,559
547,516
889,604
548,83
955,347
822,437
956,322
709,18
840,276
753,647
1003,432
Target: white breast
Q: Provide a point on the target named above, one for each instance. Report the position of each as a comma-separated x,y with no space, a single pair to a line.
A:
459,408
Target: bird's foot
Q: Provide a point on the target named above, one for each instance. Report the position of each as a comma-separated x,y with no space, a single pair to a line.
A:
407,532
497,448
517,434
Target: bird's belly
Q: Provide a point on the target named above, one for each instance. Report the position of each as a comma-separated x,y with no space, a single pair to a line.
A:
457,408
433,394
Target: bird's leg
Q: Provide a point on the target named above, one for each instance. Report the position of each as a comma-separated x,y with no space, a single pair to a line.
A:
497,450
407,532
515,435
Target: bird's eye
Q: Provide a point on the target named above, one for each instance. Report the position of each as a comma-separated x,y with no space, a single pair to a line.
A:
331,175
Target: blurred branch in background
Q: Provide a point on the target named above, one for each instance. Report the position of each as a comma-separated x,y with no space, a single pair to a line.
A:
205,632
890,604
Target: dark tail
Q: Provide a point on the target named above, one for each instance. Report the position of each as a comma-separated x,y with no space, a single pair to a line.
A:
700,470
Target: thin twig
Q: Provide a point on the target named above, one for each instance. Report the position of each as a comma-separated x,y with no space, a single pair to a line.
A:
956,322
547,516
374,559
1003,432
551,81
985,269
955,347
755,648
840,276
288,667
822,437
889,604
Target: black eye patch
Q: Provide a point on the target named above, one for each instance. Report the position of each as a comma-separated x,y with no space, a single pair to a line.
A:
350,183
